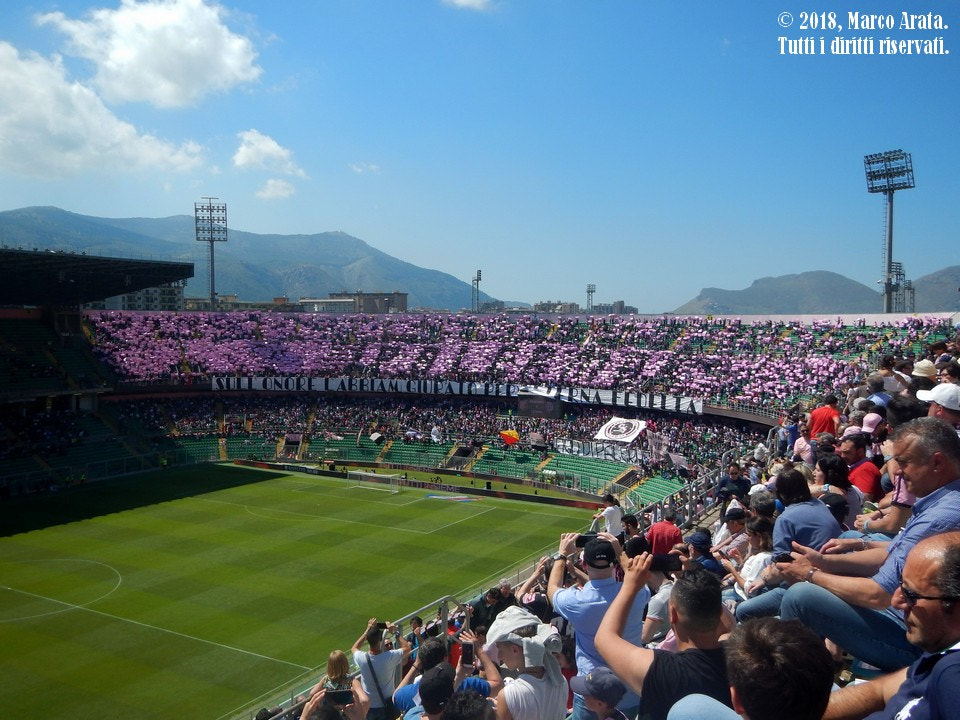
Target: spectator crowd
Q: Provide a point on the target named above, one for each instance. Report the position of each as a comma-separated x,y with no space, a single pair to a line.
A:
833,556
835,552
720,360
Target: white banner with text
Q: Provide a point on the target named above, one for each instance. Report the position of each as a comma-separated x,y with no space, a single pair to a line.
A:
446,388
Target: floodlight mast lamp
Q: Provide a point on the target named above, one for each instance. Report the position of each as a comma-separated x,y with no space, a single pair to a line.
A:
591,289
211,226
475,297
886,173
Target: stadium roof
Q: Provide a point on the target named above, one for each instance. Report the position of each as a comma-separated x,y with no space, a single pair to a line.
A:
45,277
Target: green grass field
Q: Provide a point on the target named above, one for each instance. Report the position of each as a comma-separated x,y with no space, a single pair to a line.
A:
202,593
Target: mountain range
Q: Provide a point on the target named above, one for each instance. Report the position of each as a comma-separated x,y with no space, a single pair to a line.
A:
822,291
251,266
259,267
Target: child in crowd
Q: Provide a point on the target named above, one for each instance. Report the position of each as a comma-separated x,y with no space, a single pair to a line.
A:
601,691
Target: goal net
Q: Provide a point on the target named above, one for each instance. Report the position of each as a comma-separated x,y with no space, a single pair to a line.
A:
374,481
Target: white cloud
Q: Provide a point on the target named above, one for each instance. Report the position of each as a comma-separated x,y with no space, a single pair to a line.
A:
363,167
470,4
52,127
169,53
275,189
262,151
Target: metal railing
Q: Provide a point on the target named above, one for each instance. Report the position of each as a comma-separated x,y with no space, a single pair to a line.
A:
292,700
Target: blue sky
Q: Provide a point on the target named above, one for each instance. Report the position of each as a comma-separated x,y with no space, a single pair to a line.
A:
651,148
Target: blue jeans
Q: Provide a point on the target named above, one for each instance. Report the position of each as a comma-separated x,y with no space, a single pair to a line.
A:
882,537
766,604
701,707
378,714
873,636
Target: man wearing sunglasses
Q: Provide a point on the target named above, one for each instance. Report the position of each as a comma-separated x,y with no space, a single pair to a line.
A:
929,597
845,590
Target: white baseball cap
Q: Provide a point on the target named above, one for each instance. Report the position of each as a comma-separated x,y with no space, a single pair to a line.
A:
945,395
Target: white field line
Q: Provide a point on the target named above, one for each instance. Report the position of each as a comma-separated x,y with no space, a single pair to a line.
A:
160,629
312,516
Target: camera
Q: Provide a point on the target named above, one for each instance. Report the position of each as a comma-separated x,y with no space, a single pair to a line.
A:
339,697
584,538
783,557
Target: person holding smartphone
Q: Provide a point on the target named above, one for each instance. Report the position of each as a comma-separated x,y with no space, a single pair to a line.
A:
378,667
585,607
746,578
434,652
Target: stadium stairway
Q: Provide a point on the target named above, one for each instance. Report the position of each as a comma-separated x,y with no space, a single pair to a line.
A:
543,463
628,475
473,461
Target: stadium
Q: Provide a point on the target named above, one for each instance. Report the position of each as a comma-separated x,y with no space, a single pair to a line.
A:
197,508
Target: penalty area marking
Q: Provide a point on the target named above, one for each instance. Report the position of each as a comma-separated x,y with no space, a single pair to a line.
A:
313,486
311,516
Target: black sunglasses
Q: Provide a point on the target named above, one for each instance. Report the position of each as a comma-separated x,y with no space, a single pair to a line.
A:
911,597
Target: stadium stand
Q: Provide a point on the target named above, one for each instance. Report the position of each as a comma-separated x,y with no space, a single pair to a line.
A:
121,392
720,360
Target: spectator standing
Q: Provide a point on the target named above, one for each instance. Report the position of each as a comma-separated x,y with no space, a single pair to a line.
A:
663,535
525,646
778,670
585,607
611,515
662,677
826,417
378,667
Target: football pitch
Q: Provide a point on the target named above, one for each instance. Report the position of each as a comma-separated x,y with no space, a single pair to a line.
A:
202,593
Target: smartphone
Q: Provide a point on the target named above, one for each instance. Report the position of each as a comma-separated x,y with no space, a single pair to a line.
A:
666,562
382,626
339,697
466,654
783,557
583,539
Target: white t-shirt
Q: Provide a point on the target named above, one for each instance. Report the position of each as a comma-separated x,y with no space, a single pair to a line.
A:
385,664
658,610
530,698
752,567
612,516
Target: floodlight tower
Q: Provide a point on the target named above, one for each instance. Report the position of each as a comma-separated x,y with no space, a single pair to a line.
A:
591,289
211,225
475,299
888,172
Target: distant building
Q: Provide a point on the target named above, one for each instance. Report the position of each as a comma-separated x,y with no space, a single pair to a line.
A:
327,305
374,303
342,302
563,308
167,297
617,307
226,303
